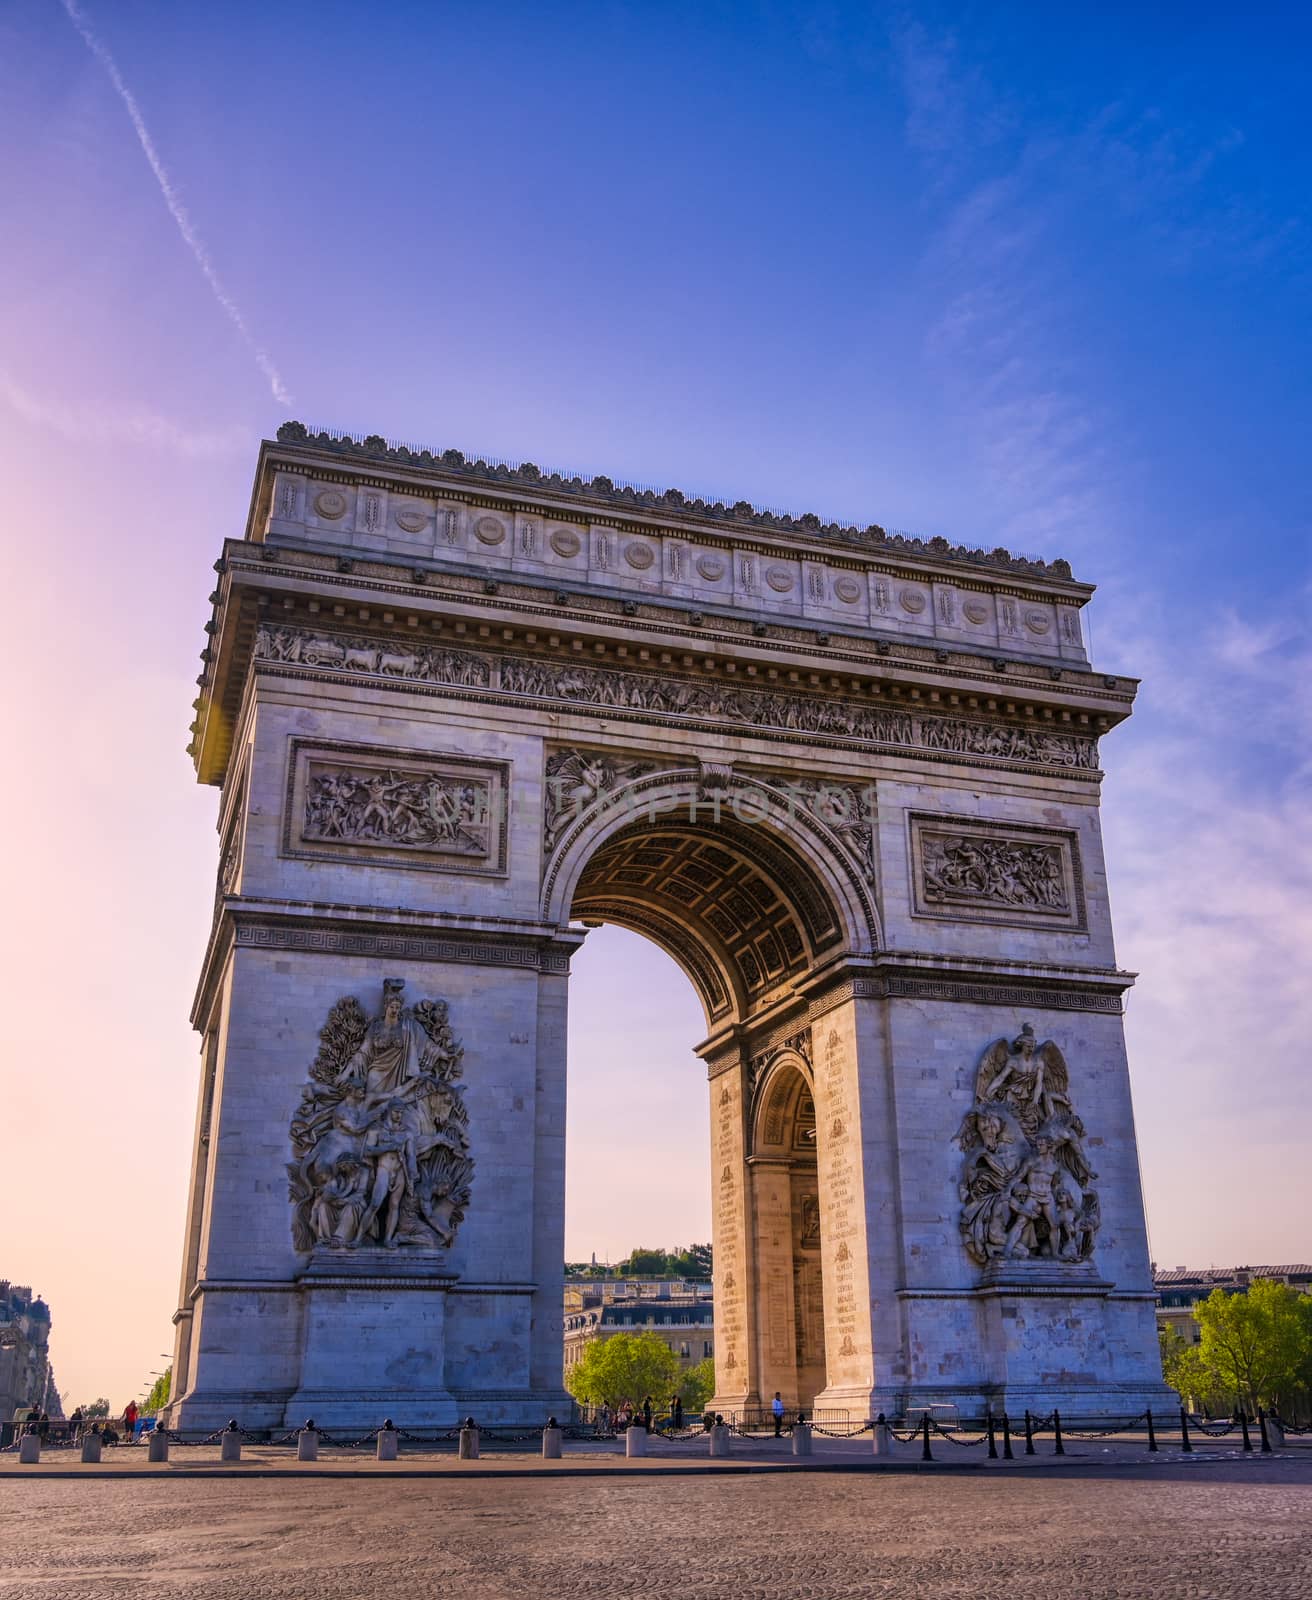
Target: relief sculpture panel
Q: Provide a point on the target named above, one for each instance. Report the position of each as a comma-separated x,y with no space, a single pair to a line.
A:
380,1140
970,870
394,808
1026,1184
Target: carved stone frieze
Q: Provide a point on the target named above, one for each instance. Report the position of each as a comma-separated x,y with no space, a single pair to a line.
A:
833,719
395,807
971,870
347,653
1026,1184
380,1140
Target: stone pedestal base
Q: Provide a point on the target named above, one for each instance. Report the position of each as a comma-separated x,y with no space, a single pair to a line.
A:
374,1343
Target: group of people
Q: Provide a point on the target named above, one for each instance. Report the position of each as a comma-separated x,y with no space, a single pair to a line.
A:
628,1415
32,1420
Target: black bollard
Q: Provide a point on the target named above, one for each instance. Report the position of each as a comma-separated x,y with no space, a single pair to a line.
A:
1184,1432
1006,1438
1152,1435
1058,1448
1261,1428
1243,1428
926,1454
1029,1433
993,1443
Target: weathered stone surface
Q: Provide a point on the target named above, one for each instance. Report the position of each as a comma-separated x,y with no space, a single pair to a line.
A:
446,730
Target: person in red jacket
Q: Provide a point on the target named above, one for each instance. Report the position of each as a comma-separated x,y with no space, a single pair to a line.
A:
129,1421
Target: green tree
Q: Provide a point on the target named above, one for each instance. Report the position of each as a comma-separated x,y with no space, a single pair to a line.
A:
697,1385
1197,1384
159,1394
96,1408
1259,1344
627,1366
644,1263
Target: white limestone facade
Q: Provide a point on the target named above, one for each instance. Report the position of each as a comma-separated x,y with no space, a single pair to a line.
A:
458,711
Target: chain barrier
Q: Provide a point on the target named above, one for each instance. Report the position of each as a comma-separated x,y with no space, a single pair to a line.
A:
1105,1433
949,1433
1210,1428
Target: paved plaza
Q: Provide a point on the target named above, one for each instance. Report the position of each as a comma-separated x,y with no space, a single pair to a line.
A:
1090,1527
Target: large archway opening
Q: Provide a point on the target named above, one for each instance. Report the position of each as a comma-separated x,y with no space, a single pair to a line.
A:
748,919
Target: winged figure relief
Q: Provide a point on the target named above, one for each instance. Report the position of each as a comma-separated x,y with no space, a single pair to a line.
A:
1025,1184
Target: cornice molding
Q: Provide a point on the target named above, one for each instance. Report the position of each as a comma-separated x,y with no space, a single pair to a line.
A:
379,934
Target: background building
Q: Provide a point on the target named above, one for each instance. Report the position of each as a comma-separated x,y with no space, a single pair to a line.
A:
1180,1289
680,1311
24,1351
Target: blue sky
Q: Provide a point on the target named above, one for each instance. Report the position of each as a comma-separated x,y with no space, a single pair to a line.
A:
1032,276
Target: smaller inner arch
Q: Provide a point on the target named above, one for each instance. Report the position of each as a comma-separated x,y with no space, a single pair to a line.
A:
787,1273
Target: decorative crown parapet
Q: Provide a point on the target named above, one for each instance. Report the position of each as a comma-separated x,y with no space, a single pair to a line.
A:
601,488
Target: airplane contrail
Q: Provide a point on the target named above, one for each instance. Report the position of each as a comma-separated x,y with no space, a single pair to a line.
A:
175,206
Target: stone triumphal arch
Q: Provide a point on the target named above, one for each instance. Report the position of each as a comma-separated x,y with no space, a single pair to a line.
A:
458,712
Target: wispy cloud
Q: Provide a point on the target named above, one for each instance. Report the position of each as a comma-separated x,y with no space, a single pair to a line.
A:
176,209
1206,822
137,427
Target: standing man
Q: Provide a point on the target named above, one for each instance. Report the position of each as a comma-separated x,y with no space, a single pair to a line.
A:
129,1421
777,1406
646,1413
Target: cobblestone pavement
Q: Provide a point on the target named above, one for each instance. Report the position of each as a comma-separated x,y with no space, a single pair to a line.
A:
1193,1529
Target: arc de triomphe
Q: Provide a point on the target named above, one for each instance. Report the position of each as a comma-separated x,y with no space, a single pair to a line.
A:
458,711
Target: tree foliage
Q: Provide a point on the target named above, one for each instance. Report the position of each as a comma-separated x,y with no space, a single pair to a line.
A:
159,1394
627,1366
1255,1350
1183,1368
697,1385
684,1261
96,1408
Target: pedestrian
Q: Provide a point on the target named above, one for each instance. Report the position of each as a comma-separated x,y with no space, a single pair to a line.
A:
676,1414
75,1425
646,1413
129,1421
777,1406
32,1422
43,1425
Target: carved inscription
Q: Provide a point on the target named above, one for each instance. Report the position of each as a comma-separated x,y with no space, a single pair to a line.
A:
730,1316
841,1186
